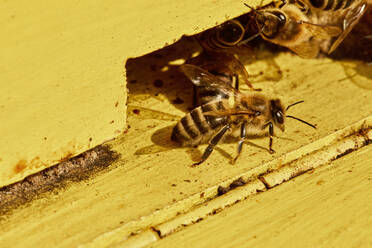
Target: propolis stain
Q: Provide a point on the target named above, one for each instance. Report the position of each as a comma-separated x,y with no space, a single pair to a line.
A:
20,166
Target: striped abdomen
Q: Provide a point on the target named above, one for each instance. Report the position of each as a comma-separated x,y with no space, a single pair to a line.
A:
224,36
196,128
206,94
331,4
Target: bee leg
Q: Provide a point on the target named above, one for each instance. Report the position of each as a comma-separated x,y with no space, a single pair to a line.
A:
271,135
236,82
194,97
244,74
243,132
284,2
212,143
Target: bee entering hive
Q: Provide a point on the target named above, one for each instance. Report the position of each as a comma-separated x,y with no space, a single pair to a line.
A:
200,80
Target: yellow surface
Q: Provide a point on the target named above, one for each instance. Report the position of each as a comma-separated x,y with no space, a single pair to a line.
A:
153,190
63,75
330,207
153,186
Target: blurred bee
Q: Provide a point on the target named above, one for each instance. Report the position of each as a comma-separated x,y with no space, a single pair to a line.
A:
223,65
219,58
289,26
343,13
251,113
328,5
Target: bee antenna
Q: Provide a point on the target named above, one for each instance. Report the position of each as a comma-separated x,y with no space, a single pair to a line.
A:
250,38
255,35
307,123
310,23
253,9
291,105
302,22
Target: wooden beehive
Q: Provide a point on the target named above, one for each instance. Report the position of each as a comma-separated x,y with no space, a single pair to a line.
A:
75,62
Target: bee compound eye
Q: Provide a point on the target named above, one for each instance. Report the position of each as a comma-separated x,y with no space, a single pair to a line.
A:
279,117
281,17
273,24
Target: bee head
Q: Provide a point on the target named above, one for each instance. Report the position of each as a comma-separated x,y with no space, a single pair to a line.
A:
270,22
277,113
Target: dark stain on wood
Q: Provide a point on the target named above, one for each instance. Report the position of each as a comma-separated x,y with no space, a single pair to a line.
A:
20,166
67,156
57,177
236,183
158,83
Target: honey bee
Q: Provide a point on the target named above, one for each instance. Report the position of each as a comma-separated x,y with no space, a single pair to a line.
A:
226,67
289,26
251,113
343,13
329,5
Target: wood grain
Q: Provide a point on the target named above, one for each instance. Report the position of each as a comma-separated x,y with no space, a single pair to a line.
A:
153,184
329,207
63,87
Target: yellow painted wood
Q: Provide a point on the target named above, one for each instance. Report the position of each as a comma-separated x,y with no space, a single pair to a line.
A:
143,239
330,207
153,184
145,189
209,208
269,179
63,71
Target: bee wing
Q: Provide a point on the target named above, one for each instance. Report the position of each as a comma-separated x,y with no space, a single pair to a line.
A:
307,50
322,31
146,113
202,78
229,112
350,20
